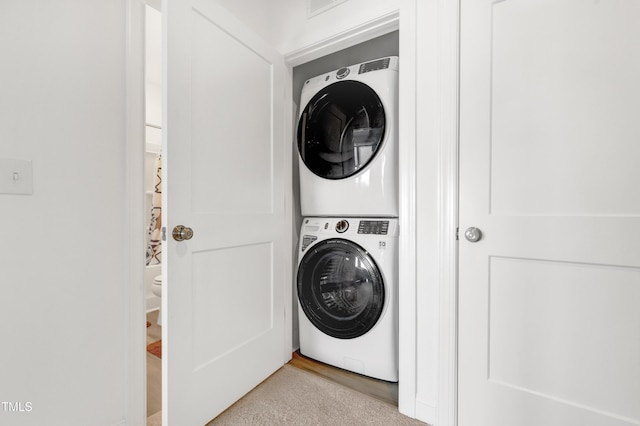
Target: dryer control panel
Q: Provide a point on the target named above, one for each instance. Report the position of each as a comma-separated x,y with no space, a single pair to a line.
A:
380,64
377,227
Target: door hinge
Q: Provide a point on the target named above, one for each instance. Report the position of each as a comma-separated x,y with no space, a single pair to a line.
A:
164,233
457,232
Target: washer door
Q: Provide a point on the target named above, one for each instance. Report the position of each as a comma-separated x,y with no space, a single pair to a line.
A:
340,288
341,129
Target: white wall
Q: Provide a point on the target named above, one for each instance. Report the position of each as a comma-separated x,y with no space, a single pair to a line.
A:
285,24
295,30
62,310
257,14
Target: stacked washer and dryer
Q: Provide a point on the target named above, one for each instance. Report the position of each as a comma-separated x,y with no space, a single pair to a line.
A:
347,280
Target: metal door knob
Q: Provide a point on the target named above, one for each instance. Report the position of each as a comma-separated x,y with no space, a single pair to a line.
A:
473,234
181,233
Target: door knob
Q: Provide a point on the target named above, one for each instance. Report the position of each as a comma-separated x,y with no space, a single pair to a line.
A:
473,235
181,233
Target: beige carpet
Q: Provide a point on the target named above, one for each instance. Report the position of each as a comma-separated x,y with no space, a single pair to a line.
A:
295,397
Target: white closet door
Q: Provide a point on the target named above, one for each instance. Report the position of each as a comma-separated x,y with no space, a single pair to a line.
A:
549,301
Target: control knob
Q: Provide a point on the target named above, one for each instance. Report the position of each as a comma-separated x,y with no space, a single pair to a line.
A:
342,226
342,73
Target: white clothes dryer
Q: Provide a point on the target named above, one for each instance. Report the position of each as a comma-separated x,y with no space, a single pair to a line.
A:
347,294
348,141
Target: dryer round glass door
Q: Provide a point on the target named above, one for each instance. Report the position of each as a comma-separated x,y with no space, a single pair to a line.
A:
341,129
340,288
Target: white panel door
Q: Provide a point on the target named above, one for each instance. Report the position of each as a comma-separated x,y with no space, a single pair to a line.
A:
226,173
549,298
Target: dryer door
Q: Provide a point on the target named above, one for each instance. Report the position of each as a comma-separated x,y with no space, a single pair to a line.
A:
340,288
341,129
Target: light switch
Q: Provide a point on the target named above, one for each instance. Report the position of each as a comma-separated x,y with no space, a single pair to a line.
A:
16,176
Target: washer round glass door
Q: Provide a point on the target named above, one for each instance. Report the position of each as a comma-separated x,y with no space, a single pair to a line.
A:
340,288
341,129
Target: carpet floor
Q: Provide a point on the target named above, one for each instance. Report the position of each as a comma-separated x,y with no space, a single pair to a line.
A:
295,397
292,396
301,393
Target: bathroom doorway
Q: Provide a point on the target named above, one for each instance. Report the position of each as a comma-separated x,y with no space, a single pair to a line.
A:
152,202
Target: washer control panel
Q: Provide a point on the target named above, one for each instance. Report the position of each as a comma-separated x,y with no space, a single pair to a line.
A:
376,227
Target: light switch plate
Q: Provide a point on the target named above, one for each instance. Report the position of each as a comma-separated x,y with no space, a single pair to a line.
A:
16,176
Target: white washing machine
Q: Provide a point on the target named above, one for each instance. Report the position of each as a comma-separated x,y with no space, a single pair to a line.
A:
347,294
348,141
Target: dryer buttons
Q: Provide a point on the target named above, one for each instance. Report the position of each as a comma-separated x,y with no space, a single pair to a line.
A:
342,226
342,73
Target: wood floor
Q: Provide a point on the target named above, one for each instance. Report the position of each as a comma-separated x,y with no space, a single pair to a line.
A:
154,367
381,390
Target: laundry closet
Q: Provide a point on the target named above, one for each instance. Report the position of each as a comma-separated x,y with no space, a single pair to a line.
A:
468,70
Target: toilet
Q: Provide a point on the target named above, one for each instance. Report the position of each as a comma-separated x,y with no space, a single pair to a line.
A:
156,289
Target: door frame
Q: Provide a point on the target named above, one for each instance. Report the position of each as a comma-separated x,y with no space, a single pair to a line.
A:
135,332
429,209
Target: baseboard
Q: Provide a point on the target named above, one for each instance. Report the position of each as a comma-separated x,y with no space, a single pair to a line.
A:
426,411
